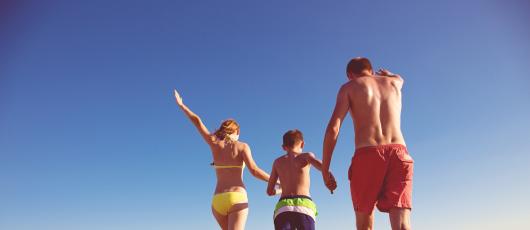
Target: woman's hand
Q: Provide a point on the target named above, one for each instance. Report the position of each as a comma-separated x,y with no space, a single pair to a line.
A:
178,98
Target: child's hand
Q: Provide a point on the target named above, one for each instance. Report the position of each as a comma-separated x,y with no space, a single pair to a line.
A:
278,189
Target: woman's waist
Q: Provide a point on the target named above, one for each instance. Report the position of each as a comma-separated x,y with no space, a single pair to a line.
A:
224,188
229,185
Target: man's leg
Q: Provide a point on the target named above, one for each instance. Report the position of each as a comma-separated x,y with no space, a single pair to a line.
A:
399,218
366,174
364,221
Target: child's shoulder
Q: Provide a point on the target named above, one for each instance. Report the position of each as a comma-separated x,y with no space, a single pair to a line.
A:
280,158
307,155
283,156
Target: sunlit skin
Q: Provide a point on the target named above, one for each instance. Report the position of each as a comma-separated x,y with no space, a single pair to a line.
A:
292,169
374,103
231,179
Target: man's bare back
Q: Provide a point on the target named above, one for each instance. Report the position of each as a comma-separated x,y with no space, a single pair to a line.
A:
374,102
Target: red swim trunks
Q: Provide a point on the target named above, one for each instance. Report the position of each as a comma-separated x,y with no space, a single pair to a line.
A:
381,175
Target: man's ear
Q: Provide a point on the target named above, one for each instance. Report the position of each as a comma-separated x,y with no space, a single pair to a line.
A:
302,145
284,148
349,76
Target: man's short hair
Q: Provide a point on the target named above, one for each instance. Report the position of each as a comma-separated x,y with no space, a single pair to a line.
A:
358,65
292,137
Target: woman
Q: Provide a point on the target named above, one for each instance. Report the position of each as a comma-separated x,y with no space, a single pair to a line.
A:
229,203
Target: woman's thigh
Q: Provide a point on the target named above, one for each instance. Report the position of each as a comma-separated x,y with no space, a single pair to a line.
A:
237,217
221,220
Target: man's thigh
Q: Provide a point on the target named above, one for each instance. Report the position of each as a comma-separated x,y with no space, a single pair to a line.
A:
366,174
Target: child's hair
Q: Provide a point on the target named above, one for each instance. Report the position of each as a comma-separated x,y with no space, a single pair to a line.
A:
228,127
292,137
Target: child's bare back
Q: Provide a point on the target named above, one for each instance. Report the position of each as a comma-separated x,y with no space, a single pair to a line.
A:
293,171
295,209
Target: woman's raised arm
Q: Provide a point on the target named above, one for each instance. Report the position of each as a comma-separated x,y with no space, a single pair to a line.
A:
196,120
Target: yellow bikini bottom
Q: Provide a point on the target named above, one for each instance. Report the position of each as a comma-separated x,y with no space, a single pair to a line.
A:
222,202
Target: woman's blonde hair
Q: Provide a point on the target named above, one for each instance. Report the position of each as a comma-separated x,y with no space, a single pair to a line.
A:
228,127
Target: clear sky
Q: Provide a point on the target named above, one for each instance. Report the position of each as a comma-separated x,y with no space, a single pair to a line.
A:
90,137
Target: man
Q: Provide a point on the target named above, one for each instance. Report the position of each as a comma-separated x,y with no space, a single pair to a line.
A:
381,169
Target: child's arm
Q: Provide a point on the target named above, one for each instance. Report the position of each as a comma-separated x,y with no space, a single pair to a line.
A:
252,167
271,187
196,120
311,159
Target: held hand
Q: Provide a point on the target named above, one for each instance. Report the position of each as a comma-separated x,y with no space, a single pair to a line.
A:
278,189
329,180
178,99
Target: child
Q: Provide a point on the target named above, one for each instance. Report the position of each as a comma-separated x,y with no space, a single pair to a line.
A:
295,209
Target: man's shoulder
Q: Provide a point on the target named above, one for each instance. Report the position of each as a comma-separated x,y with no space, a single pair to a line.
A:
391,78
347,88
349,84
356,84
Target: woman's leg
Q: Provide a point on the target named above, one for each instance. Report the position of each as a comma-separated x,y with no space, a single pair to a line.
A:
221,220
237,216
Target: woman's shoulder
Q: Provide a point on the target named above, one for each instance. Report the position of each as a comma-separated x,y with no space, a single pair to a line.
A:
242,145
213,138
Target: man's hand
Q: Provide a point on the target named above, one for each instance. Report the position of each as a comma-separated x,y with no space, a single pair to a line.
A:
178,99
329,180
386,73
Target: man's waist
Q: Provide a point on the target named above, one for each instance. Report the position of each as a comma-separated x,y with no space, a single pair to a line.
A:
375,142
393,146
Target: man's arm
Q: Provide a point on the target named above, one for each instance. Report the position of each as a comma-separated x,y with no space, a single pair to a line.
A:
196,120
271,190
387,73
342,107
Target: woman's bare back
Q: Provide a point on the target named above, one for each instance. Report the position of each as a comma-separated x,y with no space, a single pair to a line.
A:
229,179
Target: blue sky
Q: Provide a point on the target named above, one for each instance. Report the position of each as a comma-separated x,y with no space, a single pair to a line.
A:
90,137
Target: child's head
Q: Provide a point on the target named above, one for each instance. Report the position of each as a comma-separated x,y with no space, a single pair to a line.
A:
293,139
